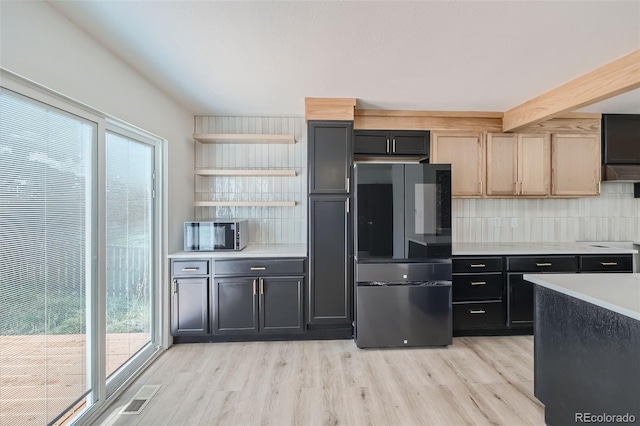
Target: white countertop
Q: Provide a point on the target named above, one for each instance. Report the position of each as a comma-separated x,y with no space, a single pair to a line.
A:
483,249
617,292
250,251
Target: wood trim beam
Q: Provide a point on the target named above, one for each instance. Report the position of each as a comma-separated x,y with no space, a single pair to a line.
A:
329,108
614,78
410,113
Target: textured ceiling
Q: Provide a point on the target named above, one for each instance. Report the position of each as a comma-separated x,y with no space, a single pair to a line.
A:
264,58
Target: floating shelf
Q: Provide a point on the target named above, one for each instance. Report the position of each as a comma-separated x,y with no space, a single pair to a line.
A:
244,203
243,138
244,172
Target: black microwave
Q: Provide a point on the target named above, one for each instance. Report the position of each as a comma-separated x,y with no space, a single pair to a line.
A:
210,236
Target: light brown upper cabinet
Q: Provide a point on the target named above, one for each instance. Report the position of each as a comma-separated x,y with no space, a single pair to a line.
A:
575,165
518,164
465,152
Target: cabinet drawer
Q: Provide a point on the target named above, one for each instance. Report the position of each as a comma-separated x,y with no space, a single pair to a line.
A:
477,264
183,268
254,267
478,315
600,263
469,287
542,264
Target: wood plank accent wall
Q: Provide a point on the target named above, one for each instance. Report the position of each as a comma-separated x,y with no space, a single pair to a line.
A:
329,108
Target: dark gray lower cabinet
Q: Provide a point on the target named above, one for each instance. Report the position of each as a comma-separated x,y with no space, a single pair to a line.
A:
520,301
258,305
330,261
189,306
258,296
280,305
235,306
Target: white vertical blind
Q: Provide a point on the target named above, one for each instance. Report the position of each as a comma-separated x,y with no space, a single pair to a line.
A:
46,202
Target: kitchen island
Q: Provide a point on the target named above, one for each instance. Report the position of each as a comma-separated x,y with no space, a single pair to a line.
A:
587,347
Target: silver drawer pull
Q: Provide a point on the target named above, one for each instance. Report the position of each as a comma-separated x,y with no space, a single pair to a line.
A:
189,269
477,311
478,282
543,264
258,268
477,265
609,263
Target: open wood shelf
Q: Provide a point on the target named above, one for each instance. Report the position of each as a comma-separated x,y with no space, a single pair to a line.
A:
244,138
244,172
244,203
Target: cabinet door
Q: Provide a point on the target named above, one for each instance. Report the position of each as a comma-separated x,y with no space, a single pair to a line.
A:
575,165
409,143
371,142
329,146
534,164
465,153
235,306
520,301
281,305
330,289
189,306
502,171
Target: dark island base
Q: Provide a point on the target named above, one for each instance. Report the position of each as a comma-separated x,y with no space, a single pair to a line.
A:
586,361
318,334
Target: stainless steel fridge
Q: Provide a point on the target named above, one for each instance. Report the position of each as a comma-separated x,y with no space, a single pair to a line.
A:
402,255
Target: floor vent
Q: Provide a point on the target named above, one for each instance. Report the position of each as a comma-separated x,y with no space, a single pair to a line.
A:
140,400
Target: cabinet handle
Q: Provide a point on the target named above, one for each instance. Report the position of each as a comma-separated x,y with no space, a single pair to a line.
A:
521,188
189,269
174,285
516,184
348,184
394,145
477,265
609,263
258,268
348,205
477,311
387,145
478,282
480,185
254,287
261,286
543,264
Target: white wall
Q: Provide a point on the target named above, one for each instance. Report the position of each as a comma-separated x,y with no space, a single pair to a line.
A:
39,43
613,216
267,225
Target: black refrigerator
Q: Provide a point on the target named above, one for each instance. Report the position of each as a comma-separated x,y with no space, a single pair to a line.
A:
402,241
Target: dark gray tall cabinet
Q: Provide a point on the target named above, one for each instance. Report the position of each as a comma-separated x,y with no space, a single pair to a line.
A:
330,295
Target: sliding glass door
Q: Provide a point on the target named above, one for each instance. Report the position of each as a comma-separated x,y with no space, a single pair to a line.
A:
130,247
79,256
47,271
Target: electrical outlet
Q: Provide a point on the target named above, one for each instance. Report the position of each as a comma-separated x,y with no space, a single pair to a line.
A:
497,222
514,222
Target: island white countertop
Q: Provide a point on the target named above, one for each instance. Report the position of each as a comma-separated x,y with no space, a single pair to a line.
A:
617,292
506,249
250,251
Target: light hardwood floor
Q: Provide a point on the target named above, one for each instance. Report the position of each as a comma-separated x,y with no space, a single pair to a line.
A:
476,381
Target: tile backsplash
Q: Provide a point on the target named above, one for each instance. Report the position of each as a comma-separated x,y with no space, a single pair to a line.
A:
613,216
267,225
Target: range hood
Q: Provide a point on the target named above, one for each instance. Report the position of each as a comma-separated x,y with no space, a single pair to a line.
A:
621,147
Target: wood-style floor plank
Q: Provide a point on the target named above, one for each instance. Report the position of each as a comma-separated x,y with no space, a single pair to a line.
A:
475,381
